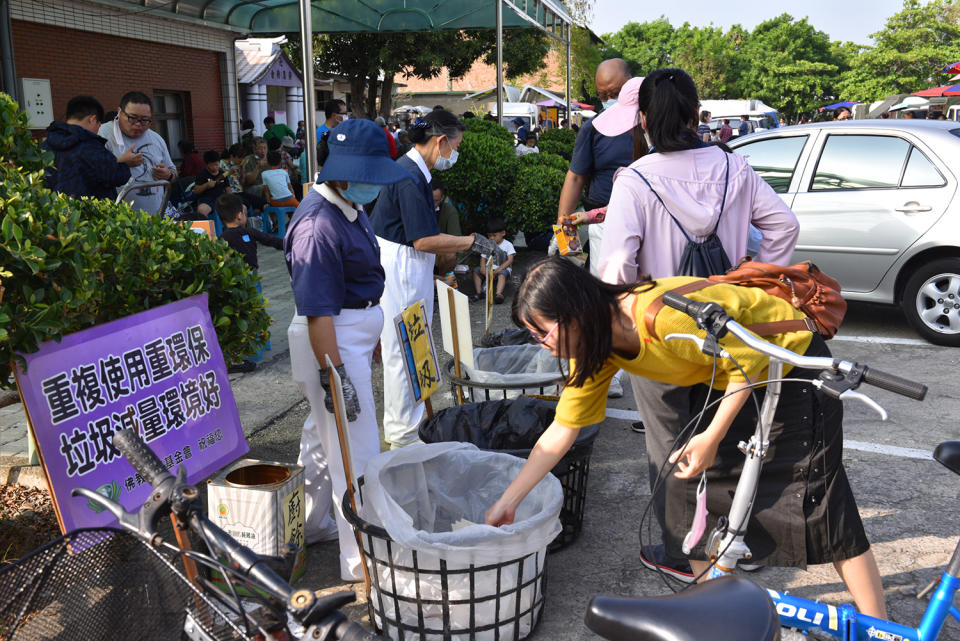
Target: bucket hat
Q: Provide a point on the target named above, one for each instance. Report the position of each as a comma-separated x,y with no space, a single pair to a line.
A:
359,153
621,117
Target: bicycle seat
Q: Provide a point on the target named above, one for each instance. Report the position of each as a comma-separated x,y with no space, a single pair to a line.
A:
948,454
726,609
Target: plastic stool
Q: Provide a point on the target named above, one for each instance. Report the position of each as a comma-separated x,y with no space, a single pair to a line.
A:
217,223
259,356
281,213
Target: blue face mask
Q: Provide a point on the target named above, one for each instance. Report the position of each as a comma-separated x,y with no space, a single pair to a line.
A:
361,193
609,103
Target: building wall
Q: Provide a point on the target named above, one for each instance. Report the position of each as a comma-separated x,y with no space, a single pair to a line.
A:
88,48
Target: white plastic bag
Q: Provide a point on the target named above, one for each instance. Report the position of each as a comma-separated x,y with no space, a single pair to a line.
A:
529,366
417,493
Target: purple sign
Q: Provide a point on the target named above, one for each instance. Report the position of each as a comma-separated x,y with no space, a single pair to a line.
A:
160,372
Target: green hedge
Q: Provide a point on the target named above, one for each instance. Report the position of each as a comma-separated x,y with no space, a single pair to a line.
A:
482,178
546,160
533,200
69,264
489,127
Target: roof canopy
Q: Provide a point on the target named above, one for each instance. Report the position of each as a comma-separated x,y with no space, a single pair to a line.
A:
946,90
352,16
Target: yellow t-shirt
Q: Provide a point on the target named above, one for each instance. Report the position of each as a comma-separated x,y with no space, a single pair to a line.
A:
680,362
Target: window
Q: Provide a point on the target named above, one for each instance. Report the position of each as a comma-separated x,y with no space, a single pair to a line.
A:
861,162
921,172
169,120
775,159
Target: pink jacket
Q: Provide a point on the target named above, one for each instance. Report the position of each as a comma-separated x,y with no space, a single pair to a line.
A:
640,238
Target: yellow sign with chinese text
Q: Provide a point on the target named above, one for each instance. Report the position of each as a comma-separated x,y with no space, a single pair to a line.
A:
420,357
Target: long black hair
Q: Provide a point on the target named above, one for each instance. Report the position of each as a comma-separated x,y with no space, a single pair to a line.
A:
669,99
438,122
562,292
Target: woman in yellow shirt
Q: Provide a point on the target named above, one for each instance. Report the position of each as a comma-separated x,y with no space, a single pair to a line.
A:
804,511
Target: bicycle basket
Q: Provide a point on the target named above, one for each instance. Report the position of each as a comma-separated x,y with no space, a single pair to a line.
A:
102,583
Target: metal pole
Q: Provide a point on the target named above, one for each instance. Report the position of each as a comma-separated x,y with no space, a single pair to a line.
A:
569,106
309,95
500,61
9,77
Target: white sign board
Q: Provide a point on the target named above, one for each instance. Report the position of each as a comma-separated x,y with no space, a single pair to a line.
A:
461,304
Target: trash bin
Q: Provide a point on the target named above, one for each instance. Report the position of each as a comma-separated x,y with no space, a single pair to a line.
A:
513,426
511,336
509,371
436,570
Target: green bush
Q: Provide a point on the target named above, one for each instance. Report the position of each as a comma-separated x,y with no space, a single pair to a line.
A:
546,160
556,148
480,181
533,201
561,135
69,264
489,127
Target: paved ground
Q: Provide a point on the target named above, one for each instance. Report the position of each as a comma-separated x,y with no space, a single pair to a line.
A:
908,501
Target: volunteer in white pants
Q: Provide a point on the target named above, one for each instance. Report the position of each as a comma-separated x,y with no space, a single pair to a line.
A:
406,226
334,263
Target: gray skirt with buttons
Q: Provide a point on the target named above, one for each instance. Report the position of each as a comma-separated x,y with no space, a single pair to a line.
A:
804,512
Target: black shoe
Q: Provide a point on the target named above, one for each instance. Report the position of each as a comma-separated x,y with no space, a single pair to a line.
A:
638,427
243,368
654,557
498,299
475,297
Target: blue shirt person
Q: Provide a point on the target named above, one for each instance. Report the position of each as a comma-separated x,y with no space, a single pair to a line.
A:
334,262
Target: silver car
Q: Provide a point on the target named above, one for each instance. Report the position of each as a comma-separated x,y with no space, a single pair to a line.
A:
875,201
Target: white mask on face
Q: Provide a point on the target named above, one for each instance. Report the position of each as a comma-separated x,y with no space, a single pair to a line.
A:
444,164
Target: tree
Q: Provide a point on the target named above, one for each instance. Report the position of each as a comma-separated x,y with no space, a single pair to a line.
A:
709,57
645,45
907,52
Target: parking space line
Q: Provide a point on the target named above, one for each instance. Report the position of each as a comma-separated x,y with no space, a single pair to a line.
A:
862,446
883,340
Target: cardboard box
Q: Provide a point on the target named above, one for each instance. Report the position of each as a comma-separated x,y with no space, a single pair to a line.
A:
261,505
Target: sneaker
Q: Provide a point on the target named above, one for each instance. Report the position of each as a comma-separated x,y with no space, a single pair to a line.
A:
638,427
476,297
616,389
654,557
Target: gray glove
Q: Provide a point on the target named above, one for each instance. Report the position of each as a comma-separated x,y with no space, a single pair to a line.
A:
483,245
350,399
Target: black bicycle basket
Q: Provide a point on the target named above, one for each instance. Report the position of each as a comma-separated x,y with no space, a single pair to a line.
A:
102,583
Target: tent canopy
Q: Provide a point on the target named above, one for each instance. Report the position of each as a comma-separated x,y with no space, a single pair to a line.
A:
946,90
352,16
840,105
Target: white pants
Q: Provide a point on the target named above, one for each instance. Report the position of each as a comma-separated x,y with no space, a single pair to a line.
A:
409,279
595,234
324,479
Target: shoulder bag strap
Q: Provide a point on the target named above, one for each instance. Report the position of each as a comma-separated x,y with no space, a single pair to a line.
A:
677,222
726,183
650,314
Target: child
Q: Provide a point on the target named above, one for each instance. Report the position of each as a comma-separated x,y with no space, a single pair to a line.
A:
210,183
529,146
496,231
244,240
277,188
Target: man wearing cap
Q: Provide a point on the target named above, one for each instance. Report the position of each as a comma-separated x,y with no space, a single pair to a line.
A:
595,159
333,258
522,132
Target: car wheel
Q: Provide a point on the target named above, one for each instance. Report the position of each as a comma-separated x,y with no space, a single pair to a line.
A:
931,301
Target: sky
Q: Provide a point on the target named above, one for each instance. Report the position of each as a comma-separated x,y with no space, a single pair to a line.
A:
841,19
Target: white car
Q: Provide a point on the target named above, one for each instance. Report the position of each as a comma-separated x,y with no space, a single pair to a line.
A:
877,210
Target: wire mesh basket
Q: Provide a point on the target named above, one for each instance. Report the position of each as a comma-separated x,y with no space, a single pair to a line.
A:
418,597
102,583
471,391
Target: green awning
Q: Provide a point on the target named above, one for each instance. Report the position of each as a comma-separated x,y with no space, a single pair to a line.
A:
351,16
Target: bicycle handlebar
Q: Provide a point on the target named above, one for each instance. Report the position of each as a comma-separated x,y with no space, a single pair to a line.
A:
709,315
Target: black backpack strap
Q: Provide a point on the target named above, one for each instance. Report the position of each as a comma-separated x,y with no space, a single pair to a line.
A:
726,183
682,230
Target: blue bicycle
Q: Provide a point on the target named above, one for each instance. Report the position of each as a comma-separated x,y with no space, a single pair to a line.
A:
733,608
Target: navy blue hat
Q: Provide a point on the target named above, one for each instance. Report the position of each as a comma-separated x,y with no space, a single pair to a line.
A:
359,153
518,120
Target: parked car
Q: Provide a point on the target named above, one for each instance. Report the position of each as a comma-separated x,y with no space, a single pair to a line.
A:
877,205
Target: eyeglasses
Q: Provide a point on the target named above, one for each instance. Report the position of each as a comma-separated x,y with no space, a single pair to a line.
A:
543,339
135,120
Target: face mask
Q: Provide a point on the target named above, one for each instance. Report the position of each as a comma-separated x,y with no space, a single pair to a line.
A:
361,193
699,518
443,164
609,103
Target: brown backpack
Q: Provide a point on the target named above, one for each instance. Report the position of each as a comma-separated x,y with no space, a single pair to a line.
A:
802,285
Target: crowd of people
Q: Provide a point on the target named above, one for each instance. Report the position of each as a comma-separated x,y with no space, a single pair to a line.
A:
374,230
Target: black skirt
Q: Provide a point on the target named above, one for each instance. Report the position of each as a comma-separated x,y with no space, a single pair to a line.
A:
804,511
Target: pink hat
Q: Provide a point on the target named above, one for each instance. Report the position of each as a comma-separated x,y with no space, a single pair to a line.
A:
621,117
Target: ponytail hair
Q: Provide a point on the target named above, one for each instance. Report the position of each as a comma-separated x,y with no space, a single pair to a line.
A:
438,122
669,99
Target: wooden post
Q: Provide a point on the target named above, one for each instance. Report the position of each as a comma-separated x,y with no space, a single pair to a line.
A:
190,566
338,414
456,345
429,407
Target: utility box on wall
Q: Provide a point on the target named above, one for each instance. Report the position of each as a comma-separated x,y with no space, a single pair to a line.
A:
37,102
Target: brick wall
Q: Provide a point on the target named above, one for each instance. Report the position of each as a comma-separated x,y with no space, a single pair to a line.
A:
483,76
106,67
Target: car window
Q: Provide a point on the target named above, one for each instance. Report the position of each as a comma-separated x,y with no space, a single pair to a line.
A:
860,162
921,172
775,159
